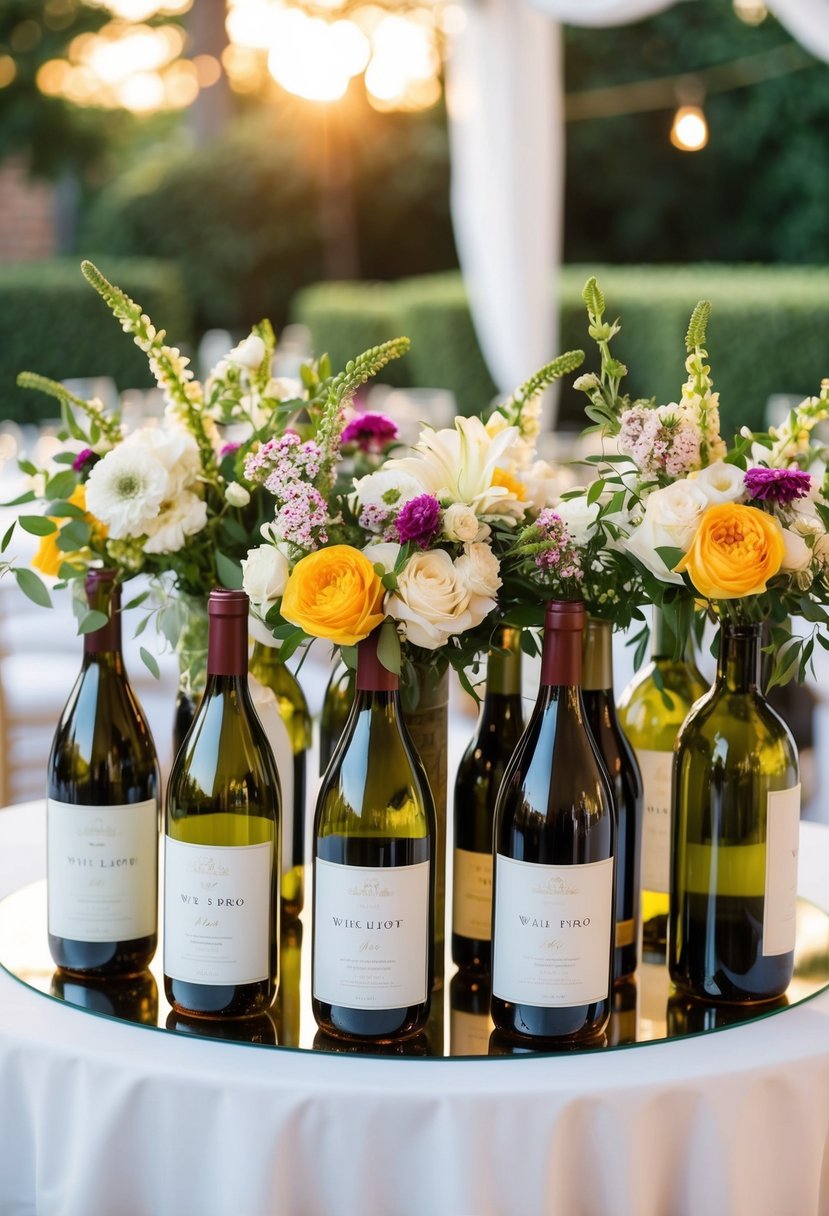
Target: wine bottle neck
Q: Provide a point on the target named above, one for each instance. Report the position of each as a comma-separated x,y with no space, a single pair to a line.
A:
738,662
227,634
561,658
503,666
103,594
372,676
597,655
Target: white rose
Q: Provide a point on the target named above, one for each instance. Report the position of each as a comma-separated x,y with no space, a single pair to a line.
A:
264,575
480,570
182,517
720,482
798,555
249,353
432,601
125,490
670,521
236,495
460,523
580,517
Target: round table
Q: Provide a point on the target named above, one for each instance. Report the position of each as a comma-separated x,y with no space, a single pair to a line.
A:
101,1118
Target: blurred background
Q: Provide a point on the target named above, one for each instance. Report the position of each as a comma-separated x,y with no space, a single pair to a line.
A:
227,160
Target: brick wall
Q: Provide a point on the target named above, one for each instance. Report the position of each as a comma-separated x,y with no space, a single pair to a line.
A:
27,215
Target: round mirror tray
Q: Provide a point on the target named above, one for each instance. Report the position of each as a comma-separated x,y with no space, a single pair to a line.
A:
646,1008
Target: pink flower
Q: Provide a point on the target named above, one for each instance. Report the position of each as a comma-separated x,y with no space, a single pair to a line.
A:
370,432
419,520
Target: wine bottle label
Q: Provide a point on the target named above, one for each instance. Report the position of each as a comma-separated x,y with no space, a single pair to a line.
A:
782,846
218,918
657,776
267,710
553,932
102,871
371,935
472,895
469,1033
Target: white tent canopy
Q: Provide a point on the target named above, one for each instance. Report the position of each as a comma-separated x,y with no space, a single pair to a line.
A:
505,100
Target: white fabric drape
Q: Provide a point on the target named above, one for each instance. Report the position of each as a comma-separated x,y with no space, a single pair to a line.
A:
504,96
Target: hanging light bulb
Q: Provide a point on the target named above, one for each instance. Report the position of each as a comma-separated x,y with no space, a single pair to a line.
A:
752,12
689,131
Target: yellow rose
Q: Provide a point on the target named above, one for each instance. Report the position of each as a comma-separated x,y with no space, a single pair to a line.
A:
336,594
735,551
49,558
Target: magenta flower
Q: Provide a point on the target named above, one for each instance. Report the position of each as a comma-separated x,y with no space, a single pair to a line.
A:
228,449
84,460
777,485
370,432
419,520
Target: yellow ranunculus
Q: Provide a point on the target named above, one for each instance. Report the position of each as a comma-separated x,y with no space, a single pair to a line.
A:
517,488
49,558
735,551
336,594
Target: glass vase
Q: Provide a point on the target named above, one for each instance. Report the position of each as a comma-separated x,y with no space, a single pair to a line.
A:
736,803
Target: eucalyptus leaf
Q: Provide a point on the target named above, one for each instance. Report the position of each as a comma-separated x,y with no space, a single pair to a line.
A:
150,662
31,585
229,572
92,621
37,525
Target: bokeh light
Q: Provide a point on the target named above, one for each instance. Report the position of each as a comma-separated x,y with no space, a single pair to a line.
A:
689,132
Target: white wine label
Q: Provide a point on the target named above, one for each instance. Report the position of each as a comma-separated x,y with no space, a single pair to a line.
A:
371,935
218,920
553,932
267,709
102,871
472,895
782,845
657,774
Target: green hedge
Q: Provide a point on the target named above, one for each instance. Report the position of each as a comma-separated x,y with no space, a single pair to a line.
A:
54,323
769,330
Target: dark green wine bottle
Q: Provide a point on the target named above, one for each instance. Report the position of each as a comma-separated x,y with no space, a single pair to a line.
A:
268,668
736,798
555,841
626,784
374,872
222,847
480,773
102,811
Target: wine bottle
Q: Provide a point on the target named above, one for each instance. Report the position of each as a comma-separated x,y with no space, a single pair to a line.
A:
480,773
336,706
736,798
626,784
222,845
553,897
102,811
651,710
470,1024
374,871
267,667
132,998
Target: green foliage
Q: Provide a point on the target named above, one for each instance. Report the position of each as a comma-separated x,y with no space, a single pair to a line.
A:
51,321
698,325
770,321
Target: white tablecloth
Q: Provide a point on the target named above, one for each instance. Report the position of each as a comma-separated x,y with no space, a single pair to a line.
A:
99,1118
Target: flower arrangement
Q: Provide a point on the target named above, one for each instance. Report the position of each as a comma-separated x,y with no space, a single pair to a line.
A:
415,545
737,531
183,501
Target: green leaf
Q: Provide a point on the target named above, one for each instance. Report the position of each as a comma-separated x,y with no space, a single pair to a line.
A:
7,539
141,626
29,496
229,572
91,621
38,525
593,298
74,535
61,485
65,458
28,468
388,647
234,531
137,601
150,662
595,492
291,643
65,510
698,325
348,654
670,555
30,585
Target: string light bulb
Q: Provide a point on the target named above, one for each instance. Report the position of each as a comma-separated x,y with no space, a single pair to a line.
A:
689,131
